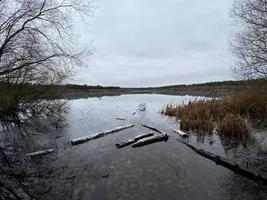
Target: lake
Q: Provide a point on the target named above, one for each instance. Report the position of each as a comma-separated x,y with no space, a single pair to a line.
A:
98,170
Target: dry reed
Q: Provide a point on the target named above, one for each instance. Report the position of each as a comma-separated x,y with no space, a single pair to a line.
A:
225,115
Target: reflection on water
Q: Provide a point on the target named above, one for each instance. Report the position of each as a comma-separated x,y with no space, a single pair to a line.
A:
36,115
232,143
98,170
19,122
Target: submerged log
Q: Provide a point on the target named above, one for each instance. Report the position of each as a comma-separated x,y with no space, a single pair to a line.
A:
133,140
227,164
39,153
181,133
150,140
98,135
154,129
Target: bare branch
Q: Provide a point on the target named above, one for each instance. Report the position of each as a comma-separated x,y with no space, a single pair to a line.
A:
35,39
250,43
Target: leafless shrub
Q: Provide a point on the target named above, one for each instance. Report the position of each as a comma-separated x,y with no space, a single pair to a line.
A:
36,43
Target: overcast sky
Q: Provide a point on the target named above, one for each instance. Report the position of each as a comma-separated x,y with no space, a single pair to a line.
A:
156,42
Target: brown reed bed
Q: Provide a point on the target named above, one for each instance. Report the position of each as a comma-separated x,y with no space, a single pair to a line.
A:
227,116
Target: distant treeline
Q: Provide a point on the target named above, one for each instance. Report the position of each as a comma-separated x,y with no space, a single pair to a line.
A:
219,88
212,84
180,86
74,86
27,86
54,90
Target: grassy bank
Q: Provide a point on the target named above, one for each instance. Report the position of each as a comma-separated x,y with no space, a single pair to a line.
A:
227,116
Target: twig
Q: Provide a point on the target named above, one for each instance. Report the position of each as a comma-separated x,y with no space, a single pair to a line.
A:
121,119
152,128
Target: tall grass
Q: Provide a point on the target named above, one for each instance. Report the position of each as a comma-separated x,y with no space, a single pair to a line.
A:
225,115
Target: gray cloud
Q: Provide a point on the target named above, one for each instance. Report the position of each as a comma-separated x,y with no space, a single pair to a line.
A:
155,42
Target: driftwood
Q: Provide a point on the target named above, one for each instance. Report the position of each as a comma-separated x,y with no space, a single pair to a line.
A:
150,140
229,165
154,129
133,140
39,153
98,135
181,133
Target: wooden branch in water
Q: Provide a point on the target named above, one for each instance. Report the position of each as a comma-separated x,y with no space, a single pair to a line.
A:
39,153
98,135
150,140
133,140
181,133
154,129
229,165
121,119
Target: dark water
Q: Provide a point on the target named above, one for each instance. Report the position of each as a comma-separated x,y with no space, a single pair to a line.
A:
98,170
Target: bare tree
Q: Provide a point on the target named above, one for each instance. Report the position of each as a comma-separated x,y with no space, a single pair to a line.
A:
36,43
250,42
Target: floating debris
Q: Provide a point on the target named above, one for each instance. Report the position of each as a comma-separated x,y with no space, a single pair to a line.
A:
98,135
133,140
39,153
105,176
181,133
150,140
121,119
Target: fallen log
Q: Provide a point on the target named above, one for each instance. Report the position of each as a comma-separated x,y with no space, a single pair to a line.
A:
181,133
98,135
227,164
152,128
133,140
39,153
150,140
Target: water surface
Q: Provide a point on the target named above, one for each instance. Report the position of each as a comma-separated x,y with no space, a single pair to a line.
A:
98,170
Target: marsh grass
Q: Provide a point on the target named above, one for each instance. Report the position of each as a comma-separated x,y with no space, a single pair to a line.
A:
232,125
226,115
